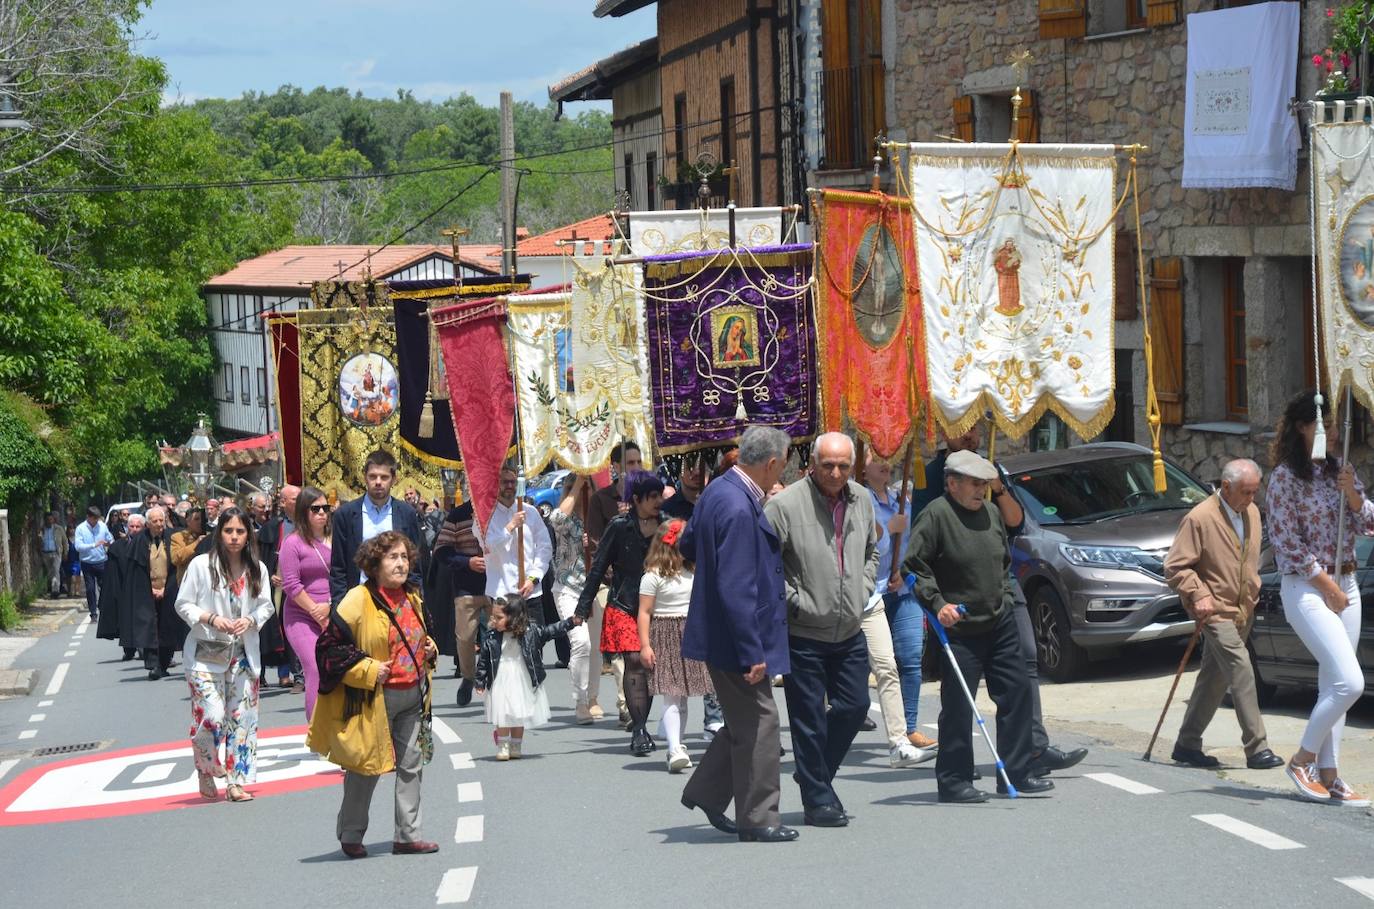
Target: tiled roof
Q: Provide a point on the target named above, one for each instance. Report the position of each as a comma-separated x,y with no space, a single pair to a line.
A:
301,266
599,228
594,82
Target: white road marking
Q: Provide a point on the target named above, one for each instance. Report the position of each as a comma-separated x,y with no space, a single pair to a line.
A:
45,703
874,708
462,760
456,887
85,623
70,653
27,734
469,792
932,726
1364,886
38,718
444,732
6,766
1120,782
470,829
1257,835
58,676
156,773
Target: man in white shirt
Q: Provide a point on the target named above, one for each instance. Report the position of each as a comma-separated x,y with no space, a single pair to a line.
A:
91,540
502,545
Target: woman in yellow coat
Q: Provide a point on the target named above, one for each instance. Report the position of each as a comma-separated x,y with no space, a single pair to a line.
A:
376,659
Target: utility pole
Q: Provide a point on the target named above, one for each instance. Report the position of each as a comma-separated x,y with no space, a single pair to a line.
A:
508,184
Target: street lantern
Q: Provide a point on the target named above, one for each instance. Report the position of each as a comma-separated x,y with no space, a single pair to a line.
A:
10,118
201,455
448,479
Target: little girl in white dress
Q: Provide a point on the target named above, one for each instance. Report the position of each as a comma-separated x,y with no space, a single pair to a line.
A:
510,672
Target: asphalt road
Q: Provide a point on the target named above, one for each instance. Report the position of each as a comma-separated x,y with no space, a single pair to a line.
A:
580,822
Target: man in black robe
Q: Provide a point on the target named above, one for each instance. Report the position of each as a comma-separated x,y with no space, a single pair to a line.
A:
116,617
151,588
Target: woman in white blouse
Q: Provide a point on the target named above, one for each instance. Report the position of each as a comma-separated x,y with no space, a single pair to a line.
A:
225,597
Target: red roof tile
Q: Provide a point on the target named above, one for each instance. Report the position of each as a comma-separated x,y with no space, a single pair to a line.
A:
599,227
301,266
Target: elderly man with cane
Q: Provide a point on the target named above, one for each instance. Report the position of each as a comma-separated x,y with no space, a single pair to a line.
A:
958,553
1213,564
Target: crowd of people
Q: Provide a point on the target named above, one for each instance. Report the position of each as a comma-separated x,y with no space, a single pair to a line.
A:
731,586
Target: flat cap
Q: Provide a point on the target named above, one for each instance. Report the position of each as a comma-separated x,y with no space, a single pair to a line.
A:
970,464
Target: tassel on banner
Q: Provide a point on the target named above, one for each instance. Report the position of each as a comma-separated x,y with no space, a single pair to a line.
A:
426,430
1161,481
740,412
1319,440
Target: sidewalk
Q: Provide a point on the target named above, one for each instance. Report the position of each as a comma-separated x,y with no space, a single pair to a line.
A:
42,618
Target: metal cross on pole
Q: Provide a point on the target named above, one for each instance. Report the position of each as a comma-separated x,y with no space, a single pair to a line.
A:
455,233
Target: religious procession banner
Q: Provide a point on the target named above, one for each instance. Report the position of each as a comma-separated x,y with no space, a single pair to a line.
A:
731,341
658,233
1015,254
1343,187
349,391
868,310
480,391
286,359
556,424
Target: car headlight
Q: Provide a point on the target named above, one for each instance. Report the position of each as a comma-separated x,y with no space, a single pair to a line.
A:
1101,556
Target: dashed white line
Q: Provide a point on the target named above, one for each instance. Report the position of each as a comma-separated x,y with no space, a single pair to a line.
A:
874,708
27,734
155,773
462,760
1257,835
469,792
932,726
7,765
469,830
456,887
1364,886
1121,782
444,732
45,703
85,623
38,718
59,675
70,653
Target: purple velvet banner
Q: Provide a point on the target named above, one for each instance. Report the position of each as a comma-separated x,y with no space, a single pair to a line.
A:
731,341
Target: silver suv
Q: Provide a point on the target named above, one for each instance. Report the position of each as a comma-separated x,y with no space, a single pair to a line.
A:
1090,559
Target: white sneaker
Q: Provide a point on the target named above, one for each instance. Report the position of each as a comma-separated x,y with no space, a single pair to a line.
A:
906,755
503,751
678,760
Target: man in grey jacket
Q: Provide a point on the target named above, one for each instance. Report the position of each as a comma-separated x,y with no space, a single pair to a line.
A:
830,564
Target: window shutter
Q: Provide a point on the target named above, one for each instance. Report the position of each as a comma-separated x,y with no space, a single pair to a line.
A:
1063,18
1166,336
963,118
1161,12
1028,121
1127,299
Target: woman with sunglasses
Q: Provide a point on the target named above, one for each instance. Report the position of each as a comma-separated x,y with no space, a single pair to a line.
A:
304,566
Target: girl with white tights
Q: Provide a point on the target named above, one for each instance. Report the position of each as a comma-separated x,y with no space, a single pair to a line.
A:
1321,600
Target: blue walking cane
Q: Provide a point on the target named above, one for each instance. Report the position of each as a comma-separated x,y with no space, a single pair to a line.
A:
949,655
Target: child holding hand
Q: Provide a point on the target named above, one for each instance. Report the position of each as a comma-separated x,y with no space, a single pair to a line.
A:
510,673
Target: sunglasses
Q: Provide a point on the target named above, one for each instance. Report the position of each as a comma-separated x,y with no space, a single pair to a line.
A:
319,509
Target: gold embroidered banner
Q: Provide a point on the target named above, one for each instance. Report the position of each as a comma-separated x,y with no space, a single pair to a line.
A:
608,354
1015,256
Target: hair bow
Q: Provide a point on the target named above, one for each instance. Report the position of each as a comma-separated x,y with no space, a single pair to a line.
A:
670,536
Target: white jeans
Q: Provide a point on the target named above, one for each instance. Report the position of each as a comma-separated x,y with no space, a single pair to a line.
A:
579,644
1332,639
884,665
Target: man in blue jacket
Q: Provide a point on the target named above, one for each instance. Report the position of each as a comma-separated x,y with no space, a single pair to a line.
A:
363,518
737,625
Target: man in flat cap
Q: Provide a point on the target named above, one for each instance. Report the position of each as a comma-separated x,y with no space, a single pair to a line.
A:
958,553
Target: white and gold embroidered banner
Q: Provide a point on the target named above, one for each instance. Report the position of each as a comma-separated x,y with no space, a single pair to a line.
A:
1015,252
658,233
607,349
1343,158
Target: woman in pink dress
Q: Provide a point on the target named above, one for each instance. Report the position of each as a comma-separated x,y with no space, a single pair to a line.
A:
304,567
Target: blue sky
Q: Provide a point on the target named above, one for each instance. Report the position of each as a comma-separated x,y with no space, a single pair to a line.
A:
434,48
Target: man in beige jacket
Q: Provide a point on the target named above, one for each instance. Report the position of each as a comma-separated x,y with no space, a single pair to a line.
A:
1213,564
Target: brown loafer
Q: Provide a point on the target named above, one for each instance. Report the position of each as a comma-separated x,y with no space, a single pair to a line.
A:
354,850
419,847
921,740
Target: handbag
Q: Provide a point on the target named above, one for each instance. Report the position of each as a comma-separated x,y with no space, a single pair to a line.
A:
216,651
424,737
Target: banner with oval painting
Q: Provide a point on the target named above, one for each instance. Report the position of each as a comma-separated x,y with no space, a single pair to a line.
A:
369,390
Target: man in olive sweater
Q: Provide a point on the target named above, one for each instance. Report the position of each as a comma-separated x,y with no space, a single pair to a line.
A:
958,553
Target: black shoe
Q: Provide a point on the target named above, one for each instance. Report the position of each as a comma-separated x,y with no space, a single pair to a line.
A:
868,724
465,693
717,819
826,816
1263,760
778,834
154,675
1194,758
1053,759
964,795
641,743
1029,786
128,655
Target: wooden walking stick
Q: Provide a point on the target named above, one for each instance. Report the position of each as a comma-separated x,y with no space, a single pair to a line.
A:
1187,655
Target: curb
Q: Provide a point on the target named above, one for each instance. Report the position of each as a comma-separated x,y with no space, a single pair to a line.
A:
17,682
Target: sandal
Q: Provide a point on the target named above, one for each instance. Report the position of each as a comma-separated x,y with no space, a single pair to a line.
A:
207,787
236,793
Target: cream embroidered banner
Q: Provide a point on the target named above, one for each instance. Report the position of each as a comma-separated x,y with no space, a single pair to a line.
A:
1343,161
658,233
607,344
1015,251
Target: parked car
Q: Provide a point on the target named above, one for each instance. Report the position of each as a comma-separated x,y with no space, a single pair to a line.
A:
1090,559
1280,658
130,507
544,492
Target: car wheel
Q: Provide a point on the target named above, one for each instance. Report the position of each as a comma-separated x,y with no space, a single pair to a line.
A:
1060,658
545,509
1265,692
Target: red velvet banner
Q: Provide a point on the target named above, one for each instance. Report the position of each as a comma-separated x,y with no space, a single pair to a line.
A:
287,357
481,394
872,349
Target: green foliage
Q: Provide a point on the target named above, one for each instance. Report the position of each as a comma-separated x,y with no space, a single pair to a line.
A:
30,463
9,611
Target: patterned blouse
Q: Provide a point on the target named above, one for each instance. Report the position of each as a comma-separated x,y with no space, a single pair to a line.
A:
1302,521
569,567
404,672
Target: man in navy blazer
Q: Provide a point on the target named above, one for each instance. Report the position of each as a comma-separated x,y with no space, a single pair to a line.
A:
737,625
363,518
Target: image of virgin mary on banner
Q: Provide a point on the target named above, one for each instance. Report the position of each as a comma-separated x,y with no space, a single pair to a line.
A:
730,341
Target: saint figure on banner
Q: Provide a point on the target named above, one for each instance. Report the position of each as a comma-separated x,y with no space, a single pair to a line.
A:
1007,263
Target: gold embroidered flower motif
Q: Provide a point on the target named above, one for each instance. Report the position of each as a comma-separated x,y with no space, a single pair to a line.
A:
956,252
1075,363
685,346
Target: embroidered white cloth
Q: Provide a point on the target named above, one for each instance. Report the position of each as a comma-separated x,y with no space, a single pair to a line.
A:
609,360
1015,253
1237,130
657,233
1343,158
